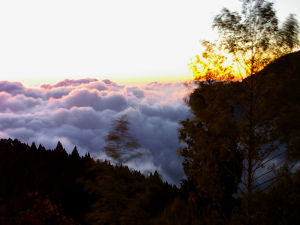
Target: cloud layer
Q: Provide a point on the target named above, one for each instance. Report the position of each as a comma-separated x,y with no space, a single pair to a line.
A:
80,112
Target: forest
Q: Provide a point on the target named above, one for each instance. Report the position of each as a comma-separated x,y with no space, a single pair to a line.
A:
240,148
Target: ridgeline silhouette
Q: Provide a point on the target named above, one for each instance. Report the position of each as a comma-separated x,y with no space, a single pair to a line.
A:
40,186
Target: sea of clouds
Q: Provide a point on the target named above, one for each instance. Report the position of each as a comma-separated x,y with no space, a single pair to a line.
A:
80,113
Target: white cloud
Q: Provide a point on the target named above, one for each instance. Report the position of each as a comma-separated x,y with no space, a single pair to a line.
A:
80,112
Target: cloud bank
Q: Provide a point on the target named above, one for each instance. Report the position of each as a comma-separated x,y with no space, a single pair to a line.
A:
80,112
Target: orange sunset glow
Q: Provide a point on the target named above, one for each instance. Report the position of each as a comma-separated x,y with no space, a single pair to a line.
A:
138,41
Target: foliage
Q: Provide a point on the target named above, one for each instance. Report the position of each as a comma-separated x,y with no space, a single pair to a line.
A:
248,41
289,33
280,101
40,211
120,145
254,39
250,35
40,186
52,174
212,66
284,195
212,161
220,127
242,121
126,197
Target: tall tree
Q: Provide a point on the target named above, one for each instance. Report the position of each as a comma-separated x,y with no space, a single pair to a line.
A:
253,39
120,145
212,161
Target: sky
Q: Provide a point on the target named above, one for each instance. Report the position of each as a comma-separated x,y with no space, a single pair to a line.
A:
121,40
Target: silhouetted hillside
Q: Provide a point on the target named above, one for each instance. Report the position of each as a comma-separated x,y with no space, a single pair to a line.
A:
277,88
40,186
241,152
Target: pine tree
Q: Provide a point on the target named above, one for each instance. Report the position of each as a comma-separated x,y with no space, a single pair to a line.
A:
75,153
59,148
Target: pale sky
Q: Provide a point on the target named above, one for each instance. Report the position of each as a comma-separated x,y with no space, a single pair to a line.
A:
122,40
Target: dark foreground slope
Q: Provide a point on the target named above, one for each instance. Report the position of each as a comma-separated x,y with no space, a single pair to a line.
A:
279,89
242,148
40,186
276,93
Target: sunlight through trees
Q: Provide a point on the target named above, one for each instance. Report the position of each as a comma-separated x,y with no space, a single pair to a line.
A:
249,40
238,112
